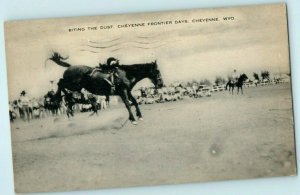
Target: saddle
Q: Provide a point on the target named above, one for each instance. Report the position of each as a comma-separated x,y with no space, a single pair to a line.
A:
108,74
233,82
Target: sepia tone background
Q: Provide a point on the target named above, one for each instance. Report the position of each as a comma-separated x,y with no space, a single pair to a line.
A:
255,40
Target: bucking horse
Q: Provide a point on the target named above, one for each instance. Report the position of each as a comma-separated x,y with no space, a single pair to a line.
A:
77,77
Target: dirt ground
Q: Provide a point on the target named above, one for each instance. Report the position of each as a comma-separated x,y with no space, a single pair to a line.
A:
211,138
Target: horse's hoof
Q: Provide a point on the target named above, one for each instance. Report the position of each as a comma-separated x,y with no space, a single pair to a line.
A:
141,119
134,122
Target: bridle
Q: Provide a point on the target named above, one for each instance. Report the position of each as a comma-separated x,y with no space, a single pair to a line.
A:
159,80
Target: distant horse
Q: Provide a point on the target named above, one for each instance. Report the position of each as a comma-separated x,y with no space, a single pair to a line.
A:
81,76
276,80
238,84
70,100
51,103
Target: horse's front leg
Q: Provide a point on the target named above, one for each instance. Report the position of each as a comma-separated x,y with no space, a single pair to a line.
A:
242,90
94,108
138,111
125,99
70,110
107,100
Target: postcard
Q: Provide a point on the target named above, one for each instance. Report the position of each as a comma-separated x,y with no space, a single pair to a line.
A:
151,98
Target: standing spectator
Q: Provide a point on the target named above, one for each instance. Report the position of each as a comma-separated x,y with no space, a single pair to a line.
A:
24,103
12,114
102,102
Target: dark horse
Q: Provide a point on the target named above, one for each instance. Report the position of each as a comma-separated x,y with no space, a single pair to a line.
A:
81,76
51,103
238,84
71,100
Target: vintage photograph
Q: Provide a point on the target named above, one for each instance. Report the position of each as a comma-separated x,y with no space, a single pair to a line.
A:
151,98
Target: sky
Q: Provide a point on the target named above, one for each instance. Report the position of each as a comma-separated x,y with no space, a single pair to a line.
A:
254,39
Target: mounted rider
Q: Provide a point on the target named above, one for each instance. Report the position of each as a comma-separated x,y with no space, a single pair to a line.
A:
111,68
234,77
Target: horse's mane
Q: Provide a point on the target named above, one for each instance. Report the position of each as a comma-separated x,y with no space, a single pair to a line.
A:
138,68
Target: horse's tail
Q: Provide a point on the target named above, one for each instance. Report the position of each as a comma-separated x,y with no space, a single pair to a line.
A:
226,86
58,59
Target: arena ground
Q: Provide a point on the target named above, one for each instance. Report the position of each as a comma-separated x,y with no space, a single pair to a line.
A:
194,140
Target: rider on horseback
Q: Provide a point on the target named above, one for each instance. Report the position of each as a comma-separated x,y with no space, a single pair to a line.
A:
234,77
111,68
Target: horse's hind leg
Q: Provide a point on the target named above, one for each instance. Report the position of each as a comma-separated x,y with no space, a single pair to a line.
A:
138,111
125,99
61,87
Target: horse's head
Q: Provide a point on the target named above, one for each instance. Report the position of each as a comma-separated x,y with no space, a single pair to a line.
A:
155,76
244,77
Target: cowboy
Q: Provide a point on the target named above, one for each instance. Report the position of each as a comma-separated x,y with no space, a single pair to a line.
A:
24,103
111,67
234,77
143,92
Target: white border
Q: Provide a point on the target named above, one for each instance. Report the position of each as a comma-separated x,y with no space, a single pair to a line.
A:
31,9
